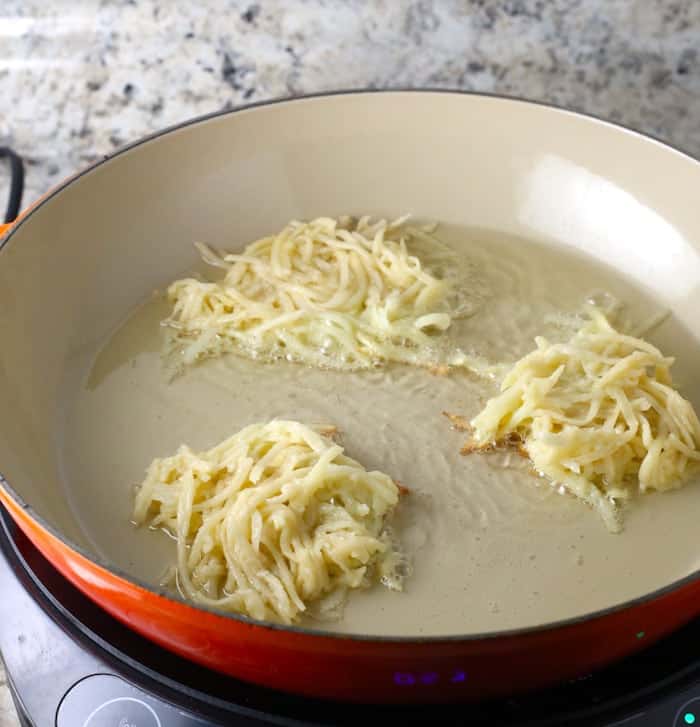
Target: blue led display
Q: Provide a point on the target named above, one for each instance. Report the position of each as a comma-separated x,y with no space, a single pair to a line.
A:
409,679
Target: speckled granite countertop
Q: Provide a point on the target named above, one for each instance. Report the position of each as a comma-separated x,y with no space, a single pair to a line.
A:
79,78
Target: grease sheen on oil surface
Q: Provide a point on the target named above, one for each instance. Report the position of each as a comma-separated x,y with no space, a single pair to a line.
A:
492,547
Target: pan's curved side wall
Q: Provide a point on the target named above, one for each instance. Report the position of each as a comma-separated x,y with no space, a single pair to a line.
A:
363,669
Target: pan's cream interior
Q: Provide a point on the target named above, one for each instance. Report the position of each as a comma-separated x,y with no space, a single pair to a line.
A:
549,206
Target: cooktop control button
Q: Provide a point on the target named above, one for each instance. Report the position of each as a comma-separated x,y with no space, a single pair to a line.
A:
688,714
123,712
105,700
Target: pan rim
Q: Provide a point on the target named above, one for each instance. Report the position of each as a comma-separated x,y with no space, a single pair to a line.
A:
302,630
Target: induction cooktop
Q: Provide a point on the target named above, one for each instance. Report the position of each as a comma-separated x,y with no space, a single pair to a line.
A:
69,664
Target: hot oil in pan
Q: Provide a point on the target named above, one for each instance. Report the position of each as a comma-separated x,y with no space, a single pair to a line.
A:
492,547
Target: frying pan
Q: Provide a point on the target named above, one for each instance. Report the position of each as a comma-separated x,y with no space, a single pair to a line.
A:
74,265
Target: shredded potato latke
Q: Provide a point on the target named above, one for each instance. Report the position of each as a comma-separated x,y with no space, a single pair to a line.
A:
330,293
271,521
597,415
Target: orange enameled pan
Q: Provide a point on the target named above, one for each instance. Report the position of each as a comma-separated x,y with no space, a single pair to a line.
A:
548,593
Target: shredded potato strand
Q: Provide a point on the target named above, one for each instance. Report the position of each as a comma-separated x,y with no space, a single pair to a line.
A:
270,521
597,415
327,293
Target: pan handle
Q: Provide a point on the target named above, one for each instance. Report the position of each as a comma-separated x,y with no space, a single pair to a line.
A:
14,201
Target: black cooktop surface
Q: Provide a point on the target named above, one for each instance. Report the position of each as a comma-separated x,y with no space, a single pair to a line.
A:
71,665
